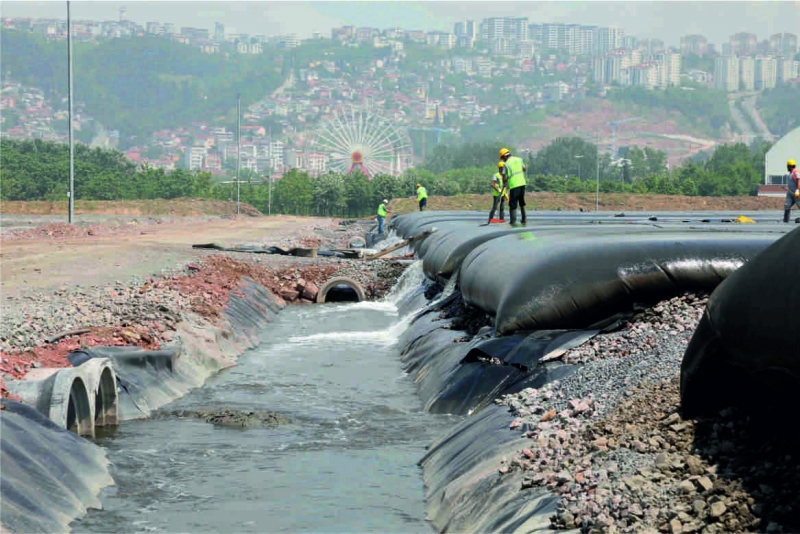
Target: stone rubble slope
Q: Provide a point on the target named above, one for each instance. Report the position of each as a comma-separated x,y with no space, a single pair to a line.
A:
609,440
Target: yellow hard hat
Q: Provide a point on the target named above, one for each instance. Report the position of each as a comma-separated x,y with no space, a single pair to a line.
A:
790,163
419,185
501,164
504,151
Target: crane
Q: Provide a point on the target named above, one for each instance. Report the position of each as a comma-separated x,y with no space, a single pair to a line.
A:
613,125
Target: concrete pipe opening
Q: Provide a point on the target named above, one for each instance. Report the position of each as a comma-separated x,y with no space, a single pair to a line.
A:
341,289
106,400
79,411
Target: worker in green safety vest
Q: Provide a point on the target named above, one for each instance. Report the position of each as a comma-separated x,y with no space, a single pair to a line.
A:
499,193
383,209
422,197
514,173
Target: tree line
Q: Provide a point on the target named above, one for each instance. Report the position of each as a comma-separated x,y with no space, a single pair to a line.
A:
39,170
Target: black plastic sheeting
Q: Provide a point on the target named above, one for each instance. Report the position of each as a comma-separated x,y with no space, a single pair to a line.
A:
744,351
255,249
461,377
465,492
570,282
146,379
49,475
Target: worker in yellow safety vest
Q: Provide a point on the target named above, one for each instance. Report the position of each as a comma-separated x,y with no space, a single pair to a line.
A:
514,173
383,209
499,193
422,197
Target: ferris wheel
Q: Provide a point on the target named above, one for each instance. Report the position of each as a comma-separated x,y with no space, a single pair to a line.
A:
355,139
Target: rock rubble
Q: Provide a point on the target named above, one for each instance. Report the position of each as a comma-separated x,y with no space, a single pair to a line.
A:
610,441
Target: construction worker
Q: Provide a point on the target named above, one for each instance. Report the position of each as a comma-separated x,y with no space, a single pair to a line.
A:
514,173
383,209
792,189
422,197
499,193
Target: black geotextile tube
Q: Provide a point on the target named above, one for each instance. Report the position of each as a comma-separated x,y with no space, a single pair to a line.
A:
411,226
49,476
745,350
445,255
411,223
574,281
465,492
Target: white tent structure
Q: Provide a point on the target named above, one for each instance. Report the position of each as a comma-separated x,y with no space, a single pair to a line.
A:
786,148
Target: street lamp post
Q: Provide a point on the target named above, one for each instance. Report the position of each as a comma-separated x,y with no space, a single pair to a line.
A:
597,180
71,215
238,147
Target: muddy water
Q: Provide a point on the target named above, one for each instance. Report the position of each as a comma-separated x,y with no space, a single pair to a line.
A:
346,463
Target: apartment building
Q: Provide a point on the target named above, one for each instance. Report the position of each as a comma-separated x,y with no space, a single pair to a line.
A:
512,28
783,44
726,73
766,72
785,70
195,156
694,44
742,43
669,68
609,39
747,73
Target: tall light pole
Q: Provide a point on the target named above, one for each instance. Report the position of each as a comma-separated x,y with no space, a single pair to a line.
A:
597,182
71,215
238,146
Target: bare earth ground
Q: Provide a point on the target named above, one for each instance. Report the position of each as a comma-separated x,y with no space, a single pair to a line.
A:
46,262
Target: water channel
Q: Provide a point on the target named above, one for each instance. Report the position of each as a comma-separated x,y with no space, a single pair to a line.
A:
345,463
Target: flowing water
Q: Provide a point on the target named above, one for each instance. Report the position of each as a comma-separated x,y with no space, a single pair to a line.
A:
346,462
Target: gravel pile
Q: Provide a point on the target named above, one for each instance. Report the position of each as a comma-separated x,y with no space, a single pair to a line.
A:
610,441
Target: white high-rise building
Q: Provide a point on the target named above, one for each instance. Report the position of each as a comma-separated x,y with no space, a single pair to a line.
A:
670,68
608,39
766,72
786,69
726,73
747,73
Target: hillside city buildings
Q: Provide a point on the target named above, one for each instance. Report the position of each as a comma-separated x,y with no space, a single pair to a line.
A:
499,64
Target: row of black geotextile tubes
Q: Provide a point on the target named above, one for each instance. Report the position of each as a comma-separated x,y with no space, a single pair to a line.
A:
548,287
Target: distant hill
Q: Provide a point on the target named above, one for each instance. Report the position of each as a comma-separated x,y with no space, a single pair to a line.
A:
681,133
780,109
143,84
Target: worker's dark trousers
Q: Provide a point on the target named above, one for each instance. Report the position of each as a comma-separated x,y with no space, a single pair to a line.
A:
791,200
423,203
502,200
380,224
516,197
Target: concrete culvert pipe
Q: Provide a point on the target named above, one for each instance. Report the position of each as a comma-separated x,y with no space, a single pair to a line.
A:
70,406
341,289
101,382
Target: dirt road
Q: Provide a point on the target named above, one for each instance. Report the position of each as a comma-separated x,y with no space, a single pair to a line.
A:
48,263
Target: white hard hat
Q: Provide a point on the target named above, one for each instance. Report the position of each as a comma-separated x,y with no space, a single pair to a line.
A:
385,201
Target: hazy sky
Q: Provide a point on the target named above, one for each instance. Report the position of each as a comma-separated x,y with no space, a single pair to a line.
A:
666,20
